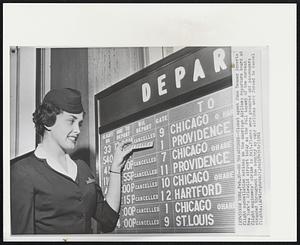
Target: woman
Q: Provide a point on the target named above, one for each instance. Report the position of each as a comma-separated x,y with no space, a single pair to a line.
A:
51,193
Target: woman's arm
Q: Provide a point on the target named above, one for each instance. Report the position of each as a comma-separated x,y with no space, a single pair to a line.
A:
113,196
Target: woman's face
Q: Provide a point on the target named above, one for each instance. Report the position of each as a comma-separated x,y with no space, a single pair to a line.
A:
66,130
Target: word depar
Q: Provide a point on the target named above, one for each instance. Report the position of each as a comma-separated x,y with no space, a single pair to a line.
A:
180,73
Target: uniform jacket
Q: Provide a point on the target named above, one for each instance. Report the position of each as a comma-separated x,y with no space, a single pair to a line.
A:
44,201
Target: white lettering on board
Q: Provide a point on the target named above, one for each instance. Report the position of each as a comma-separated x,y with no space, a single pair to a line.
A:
146,92
179,74
161,84
198,71
219,55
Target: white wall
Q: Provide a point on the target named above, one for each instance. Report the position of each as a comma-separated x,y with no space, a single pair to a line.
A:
13,98
22,100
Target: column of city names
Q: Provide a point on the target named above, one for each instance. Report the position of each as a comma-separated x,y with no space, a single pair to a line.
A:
202,163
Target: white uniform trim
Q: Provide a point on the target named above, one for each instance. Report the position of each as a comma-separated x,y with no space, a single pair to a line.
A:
71,165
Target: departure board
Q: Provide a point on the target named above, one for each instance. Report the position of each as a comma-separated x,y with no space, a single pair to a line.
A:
185,182
182,107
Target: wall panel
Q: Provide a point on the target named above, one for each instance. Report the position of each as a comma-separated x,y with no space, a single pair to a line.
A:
22,100
107,66
69,68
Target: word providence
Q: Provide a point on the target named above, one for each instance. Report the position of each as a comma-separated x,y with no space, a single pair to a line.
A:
180,72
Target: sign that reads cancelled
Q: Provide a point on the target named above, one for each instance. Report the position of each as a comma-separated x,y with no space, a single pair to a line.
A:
152,86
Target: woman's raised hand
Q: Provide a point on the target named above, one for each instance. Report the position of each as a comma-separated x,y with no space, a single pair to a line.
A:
122,153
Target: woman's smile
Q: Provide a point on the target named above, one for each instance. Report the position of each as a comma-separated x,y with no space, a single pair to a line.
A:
73,138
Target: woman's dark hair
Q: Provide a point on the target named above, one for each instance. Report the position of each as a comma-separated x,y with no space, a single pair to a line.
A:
45,115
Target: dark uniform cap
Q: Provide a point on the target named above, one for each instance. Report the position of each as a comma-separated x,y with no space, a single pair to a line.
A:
67,99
